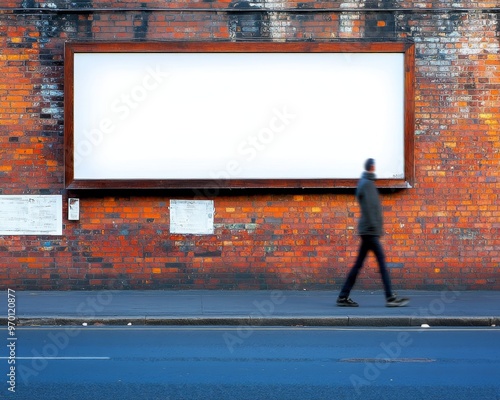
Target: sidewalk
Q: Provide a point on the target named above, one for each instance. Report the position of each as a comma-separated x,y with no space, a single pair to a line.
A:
262,308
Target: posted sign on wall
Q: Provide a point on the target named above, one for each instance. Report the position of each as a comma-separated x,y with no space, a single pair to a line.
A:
192,217
31,215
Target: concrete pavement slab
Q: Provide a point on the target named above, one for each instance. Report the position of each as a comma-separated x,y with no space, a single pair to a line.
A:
273,307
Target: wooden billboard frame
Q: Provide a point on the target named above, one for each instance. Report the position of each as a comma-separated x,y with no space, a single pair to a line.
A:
72,48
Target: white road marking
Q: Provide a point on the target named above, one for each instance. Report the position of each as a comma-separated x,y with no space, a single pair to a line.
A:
58,358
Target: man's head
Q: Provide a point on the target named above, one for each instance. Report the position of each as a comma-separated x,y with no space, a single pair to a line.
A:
370,165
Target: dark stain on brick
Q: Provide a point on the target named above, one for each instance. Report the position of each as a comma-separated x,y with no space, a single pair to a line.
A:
302,17
23,45
121,281
243,276
465,233
380,25
141,24
175,265
81,4
449,23
270,249
166,246
248,25
186,247
81,26
235,227
216,253
420,221
28,4
381,4
471,81
498,29
50,27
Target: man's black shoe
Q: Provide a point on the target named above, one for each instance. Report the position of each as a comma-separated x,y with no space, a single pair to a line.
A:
346,302
396,302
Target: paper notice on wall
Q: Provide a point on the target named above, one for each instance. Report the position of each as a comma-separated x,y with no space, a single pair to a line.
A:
73,209
30,215
192,217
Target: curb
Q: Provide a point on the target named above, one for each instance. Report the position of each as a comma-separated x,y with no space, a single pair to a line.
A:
345,321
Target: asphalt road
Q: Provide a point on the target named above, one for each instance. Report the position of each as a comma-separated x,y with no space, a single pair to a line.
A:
251,363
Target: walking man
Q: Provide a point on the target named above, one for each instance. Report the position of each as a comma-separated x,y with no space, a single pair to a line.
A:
370,230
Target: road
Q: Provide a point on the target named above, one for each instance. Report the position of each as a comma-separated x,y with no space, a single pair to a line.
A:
251,363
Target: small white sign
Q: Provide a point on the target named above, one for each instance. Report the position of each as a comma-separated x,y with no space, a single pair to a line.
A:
31,215
73,209
192,217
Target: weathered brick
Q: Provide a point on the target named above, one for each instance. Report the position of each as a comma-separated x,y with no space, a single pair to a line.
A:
441,233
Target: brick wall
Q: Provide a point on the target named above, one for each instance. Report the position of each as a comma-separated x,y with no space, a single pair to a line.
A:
442,233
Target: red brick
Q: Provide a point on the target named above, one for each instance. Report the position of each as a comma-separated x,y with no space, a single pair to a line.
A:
450,221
